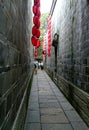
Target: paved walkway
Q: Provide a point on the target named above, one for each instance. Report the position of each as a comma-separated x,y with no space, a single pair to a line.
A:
48,109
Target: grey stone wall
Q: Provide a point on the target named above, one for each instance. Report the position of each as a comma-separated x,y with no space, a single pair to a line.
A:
71,21
15,57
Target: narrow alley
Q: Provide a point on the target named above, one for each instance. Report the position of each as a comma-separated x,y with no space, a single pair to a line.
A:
48,109
51,37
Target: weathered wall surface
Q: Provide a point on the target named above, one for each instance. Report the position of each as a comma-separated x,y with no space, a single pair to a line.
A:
15,57
71,21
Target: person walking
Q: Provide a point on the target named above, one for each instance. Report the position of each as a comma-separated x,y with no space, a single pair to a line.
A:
35,68
41,65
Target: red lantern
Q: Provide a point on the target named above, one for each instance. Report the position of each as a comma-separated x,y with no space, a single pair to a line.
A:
49,37
38,4
38,12
38,33
49,22
38,24
35,20
49,53
34,41
36,1
38,43
49,42
34,30
44,52
49,48
34,9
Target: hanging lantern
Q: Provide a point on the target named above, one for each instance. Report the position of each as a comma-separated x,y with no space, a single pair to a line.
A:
34,9
38,43
49,37
38,12
44,52
49,53
36,1
49,48
34,41
34,30
38,4
38,24
35,20
38,33
49,42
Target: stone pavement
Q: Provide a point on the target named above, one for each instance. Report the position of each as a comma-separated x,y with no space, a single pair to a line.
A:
48,109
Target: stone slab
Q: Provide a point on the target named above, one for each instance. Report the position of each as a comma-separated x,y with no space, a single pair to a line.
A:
60,118
33,126
73,116
50,104
79,126
33,117
56,127
66,106
52,111
34,106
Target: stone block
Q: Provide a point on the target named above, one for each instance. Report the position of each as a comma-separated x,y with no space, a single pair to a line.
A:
33,126
79,125
55,119
56,127
73,116
50,111
33,117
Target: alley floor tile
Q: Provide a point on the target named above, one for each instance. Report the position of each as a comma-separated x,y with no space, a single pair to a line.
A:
56,127
33,126
48,109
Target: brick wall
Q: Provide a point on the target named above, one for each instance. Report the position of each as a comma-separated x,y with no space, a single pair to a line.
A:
15,57
71,21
